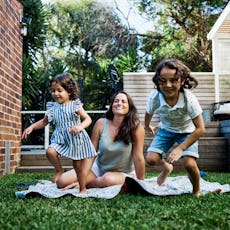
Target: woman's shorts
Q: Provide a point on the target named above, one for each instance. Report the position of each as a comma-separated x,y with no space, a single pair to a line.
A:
99,173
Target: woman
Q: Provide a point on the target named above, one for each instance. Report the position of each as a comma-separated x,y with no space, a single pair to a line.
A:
119,139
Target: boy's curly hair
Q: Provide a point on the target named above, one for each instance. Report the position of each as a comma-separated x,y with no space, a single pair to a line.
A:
182,71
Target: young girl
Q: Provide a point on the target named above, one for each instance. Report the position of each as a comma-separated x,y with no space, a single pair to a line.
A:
181,121
69,138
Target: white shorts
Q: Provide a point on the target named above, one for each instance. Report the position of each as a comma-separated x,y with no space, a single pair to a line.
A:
99,173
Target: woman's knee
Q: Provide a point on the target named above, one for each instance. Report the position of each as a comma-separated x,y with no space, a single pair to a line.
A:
67,178
109,179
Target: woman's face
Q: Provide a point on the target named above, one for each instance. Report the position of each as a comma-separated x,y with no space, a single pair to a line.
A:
169,83
120,105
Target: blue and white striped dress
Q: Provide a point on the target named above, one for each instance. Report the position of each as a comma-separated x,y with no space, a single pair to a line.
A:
64,117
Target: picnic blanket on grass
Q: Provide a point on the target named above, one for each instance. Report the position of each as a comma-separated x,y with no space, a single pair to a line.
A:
172,186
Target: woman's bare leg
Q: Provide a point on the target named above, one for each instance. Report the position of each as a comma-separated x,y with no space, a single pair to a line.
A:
108,179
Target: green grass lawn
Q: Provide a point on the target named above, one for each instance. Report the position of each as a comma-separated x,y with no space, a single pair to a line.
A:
125,211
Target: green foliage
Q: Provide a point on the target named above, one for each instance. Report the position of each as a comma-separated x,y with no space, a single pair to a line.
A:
122,212
128,61
181,30
85,32
32,43
37,29
84,37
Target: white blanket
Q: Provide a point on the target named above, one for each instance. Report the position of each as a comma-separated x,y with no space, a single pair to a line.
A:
172,186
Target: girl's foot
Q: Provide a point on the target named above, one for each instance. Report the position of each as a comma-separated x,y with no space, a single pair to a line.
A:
83,191
165,172
56,176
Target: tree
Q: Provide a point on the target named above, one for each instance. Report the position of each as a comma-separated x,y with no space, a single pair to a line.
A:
181,30
84,32
32,43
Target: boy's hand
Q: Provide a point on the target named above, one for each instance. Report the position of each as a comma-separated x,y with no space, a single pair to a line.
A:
175,155
151,129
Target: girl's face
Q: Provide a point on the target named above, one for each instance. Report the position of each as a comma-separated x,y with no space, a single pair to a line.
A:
169,83
120,104
59,94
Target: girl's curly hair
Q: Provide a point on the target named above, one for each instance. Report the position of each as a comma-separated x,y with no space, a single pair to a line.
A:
67,82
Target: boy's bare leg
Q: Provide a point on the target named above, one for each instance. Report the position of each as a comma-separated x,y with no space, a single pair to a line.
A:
194,174
167,169
153,158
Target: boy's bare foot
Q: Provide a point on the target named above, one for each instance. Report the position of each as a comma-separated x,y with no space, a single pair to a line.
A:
56,176
217,191
197,194
165,172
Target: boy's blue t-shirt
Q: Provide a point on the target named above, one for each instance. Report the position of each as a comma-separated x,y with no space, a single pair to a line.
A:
177,119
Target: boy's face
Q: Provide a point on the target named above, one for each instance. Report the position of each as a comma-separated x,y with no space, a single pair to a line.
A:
169,83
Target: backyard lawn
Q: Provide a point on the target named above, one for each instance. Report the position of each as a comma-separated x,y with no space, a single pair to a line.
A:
127,211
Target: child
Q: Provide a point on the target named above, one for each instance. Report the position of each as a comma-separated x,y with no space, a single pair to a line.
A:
181,121
69,138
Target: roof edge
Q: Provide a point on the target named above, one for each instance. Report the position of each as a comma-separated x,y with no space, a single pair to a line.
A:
219,22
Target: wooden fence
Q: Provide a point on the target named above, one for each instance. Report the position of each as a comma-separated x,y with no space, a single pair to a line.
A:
139,86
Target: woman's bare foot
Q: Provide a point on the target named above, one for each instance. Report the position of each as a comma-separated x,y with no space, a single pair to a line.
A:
167,169
73,185
56,176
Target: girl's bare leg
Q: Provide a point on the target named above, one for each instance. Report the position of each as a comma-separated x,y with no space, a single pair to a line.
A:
83,169
81,175
69,179
53,158
155,159
194,174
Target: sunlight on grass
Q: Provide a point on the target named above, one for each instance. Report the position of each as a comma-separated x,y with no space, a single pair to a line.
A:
125,211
